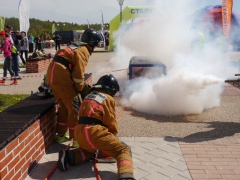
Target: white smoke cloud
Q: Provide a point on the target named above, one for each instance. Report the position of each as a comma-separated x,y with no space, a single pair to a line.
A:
194,79
179,93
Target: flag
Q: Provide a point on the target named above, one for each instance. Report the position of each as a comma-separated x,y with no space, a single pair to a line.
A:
53,28
88,23
226,16
23,10
102,25
2,22
102,31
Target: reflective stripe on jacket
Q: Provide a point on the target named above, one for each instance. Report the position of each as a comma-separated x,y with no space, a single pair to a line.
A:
100,106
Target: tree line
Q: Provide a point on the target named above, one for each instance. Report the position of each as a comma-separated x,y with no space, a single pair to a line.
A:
38,27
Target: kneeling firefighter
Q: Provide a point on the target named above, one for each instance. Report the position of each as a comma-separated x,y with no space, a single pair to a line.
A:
97,129
65,76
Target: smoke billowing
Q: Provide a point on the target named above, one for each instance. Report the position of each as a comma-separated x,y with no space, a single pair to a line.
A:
195,74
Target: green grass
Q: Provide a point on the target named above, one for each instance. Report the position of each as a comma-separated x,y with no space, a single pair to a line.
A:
7,100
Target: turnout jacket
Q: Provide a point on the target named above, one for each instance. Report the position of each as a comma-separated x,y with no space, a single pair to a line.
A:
59,74
100,106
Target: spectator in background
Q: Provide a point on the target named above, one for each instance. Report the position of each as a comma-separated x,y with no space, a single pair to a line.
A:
57,39
38,42
15,51
31,42
24,48
8,30
16,39
41,39
6,47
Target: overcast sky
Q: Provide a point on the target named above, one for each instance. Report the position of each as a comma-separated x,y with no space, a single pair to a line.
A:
81,11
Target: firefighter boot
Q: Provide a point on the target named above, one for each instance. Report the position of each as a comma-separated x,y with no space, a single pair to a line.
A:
63,160
61,138
75,143
125,176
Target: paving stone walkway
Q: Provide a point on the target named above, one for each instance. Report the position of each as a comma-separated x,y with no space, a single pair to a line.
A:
153,158
158,159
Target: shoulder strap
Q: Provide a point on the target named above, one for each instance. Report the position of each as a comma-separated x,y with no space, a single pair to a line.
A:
10,47
10,41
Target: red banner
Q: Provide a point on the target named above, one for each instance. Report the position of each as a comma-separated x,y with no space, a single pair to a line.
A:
226,16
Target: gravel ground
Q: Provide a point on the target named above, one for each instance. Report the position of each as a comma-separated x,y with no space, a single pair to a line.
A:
218,122
215,123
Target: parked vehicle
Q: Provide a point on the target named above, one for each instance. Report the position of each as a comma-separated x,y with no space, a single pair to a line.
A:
143,66
66,36
102,43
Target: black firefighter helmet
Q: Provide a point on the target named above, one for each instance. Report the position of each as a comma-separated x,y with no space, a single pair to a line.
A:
107,83
91,37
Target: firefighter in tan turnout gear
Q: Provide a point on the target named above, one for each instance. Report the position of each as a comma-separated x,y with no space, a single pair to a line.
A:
97,129
65,76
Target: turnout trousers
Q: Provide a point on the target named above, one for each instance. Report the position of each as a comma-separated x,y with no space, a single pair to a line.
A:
92,138
67,117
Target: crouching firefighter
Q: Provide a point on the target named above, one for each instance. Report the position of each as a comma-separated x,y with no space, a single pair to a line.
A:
65,76
97,129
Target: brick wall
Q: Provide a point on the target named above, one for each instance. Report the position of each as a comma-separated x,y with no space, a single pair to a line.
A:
22,154
35,66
